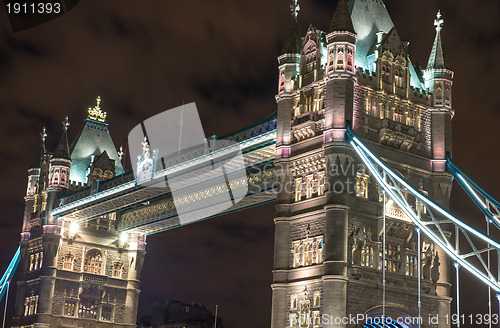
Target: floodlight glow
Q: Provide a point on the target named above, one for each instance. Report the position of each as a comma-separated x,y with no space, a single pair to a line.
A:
123,238
74,228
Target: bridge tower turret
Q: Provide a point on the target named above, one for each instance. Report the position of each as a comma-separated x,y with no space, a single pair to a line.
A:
329,225
71,271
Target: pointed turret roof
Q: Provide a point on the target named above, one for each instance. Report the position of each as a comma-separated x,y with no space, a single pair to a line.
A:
342,18
62,149
438,59
92,140
37,162
293,41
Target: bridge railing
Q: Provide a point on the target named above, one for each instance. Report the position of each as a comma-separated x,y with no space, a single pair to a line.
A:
249,140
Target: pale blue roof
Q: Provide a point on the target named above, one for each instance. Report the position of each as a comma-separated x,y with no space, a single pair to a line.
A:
368,18
92,140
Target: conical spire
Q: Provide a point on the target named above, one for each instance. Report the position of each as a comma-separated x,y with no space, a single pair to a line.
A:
37,162
62,150
438,59
341,21
293,41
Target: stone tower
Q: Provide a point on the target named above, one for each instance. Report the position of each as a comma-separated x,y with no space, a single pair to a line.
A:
329,213
85,274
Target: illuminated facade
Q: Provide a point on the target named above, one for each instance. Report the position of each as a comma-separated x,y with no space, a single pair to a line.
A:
328,241
328,237
69,275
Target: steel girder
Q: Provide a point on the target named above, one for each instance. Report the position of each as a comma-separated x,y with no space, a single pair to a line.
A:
436,223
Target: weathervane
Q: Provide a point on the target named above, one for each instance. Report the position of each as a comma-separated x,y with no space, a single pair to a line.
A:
96,113
43,135
438,22
65,123
294,7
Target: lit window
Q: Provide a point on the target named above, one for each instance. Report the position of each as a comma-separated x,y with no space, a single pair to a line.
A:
308,254
362,185
30,305
398,77
340,58
321,183
88,308
411,265
297,254
330,60
117,269
398,114
106,312
384,113
93,262
309,103
307,251
68,261
36,261
367,260
315,319
316,302
349,60
298,189
293,302
305,314
386,73
69,308
309,186
32,262
392,257
293,320
282,83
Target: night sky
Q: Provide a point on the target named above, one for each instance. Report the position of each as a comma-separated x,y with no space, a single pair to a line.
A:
146,57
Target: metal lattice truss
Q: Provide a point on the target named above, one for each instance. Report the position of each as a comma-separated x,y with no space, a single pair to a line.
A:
257,151
487,204
162,215
435,222
9,273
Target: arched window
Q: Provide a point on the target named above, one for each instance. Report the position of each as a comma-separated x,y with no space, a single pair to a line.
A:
386,73
350,66
68,261
398,77
282,83
340,58
117,269
93,262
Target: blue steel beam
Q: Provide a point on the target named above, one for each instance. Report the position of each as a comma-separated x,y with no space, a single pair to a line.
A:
396,187
9,273
487,204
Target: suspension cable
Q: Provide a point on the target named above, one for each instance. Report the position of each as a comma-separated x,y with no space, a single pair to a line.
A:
383,263
419,252
489,268
6,300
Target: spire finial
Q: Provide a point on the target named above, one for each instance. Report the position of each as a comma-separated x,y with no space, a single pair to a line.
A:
295,8
145,148
65,123
43,135
96,113
438,22
120,153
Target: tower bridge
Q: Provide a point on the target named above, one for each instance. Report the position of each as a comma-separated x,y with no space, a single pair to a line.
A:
363,139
